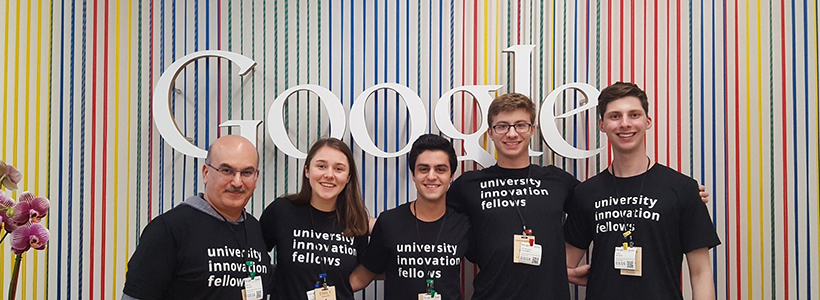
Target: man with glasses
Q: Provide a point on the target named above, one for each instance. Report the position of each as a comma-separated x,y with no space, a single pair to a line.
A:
207,247
516,209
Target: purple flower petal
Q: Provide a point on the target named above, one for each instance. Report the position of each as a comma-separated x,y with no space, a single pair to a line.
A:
7,204
20,239
14,175
39,236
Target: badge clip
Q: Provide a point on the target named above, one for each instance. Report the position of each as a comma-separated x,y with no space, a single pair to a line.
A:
430,288
250,267
626,245
323,278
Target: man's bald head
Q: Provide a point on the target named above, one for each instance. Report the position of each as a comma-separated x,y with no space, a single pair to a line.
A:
232,145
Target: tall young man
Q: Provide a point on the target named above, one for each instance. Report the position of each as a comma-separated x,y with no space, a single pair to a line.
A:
516,210
419,245
641,216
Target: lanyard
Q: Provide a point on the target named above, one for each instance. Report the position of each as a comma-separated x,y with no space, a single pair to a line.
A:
429,282
248,261
628,242
323,274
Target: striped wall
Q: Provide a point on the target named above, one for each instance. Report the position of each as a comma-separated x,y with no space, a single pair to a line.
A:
733,87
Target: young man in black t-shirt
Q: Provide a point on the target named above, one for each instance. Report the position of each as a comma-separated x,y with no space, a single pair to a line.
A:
419,245
516,210
641,216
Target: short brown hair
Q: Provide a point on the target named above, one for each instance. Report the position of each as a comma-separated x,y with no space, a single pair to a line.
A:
619,90
510,102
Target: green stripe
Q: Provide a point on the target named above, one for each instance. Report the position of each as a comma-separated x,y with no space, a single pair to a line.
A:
771,158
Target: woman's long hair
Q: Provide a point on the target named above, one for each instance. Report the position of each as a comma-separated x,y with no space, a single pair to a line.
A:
350,210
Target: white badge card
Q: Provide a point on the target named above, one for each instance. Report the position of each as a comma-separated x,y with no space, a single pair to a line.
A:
253,288
426,296
325,293
530,255
310,295
628,261
519,239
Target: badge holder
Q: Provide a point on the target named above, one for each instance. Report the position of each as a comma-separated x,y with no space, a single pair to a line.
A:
253,285
525,250
628,258
431,292
322,291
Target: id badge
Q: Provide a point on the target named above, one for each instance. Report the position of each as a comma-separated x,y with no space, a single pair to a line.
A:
518,240
426,296
628,261
325,293
530,255
253,288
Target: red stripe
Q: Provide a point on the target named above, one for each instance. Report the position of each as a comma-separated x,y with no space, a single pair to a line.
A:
93,150
609,63
475,62
621,49
737,153
645,9
518,26
726,166
104,152
783,119
655,76
219,67
678,59
632,41
668,66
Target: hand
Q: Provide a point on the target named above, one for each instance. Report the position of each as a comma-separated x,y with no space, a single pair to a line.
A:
704,195
578,275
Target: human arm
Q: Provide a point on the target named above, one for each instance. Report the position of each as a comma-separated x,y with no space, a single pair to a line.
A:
700,274
151,267
575,273
361,278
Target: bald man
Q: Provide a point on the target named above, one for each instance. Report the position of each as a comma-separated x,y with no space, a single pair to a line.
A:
207,247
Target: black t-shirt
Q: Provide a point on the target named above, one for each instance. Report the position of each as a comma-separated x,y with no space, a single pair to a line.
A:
496,200
188,254
309,242
667,219
410,251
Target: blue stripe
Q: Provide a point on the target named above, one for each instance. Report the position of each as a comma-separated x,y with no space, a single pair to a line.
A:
161,192
82,150
196,87
725,149
207,73
376,106
714,142
384,108
174,101
806,118
794,153
407,81
574,79
62,149
185,107
398,79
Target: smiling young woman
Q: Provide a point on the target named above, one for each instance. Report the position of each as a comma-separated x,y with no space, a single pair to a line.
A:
319,231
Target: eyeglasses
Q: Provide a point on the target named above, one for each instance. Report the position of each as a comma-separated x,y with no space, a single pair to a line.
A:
504,128
231,172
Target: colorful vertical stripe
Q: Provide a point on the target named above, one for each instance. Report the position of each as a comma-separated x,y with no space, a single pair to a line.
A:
752,103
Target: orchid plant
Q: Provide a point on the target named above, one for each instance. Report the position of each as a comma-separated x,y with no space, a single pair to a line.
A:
21,220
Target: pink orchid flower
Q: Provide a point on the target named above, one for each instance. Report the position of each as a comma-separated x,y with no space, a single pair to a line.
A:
29,208
9,176
29,236
6,212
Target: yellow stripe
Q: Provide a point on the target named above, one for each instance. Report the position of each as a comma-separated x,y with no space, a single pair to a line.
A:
817,151
24,163
116,151
486,21
3,256
749,165
128,168
760,152
28,100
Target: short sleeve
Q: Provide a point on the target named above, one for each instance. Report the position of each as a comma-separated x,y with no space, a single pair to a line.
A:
151,267
376,255
268,223
577,228
455,197
696,229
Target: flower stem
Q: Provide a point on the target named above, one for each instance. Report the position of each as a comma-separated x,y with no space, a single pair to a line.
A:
15,275
4,237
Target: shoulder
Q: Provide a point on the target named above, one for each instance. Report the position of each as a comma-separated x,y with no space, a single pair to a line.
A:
669,175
